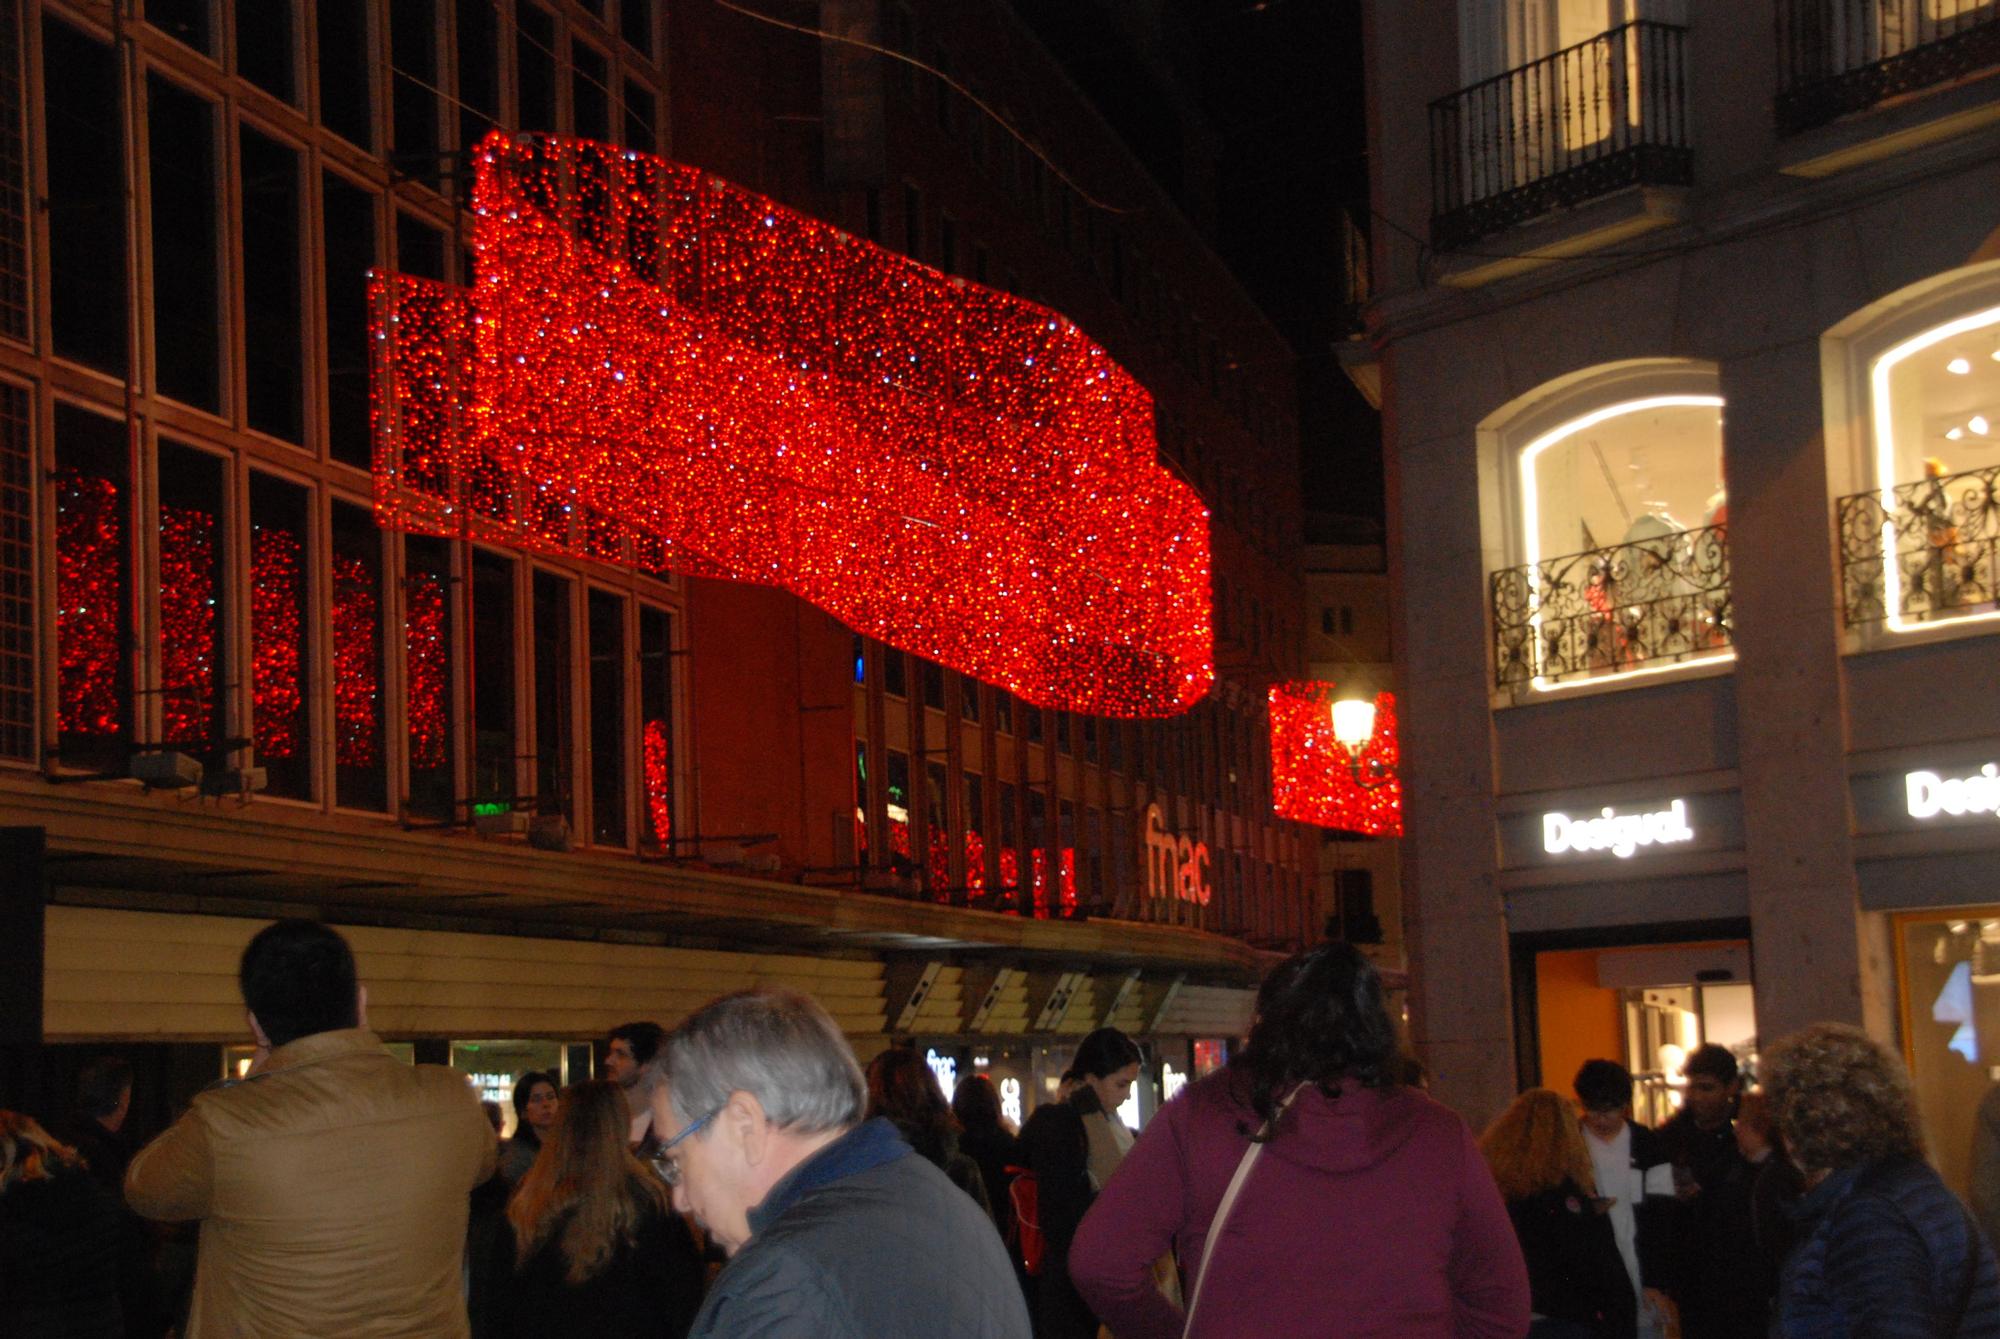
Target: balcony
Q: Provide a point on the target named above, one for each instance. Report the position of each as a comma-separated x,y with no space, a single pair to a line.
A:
1842,56
1604,612
1587,121
1929,553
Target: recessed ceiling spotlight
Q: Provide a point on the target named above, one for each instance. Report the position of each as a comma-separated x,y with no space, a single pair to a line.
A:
1959,367
1954,434
1979,424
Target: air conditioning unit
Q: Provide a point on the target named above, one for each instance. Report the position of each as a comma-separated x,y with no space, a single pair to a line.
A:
549,832
165,770
235,781
500,823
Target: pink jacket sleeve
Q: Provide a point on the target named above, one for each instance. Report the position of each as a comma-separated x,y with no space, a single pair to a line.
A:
1131,1225
1489,1280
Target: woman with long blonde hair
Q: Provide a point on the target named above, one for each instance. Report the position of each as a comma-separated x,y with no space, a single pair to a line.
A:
593,1246
1576,1278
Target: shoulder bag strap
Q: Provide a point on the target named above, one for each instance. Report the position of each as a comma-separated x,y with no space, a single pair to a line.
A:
1221,1218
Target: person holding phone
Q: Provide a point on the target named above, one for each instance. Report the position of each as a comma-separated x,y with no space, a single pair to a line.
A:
1576,1279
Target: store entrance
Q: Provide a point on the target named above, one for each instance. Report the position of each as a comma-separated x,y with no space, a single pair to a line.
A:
1648,1007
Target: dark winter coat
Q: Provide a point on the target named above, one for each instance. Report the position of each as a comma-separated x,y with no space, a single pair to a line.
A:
650,1289
61,1249
1889,1253
1058,1149
865,1240
1574,1270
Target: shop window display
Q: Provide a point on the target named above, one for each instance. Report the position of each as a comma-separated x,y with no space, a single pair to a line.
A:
1950,974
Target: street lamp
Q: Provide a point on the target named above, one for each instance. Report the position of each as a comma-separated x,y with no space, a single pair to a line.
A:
1353,727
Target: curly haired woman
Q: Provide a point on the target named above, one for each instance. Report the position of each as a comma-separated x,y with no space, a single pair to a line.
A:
1888,1250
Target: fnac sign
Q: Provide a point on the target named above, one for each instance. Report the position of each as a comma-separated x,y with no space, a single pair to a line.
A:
1176,867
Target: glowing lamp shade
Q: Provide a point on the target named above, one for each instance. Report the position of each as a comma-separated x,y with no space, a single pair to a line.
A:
1317,774
1353,723
658,369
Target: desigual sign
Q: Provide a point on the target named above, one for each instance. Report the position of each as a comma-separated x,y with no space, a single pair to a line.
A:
1926,794
1620,834
1176,867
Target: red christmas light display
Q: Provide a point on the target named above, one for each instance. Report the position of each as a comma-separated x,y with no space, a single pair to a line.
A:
659,781
187,625
975,865
90,603
1311,779
424,624
658,368
277,595
356,679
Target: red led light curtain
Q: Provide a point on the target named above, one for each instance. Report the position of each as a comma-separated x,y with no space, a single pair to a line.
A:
1311,780
658,368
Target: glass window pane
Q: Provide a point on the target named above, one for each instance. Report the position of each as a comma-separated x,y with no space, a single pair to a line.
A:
93,611
894,672
897,773
656,723
413,52
478,71
187,321
937,818
493,672
933,677
555,673
641,115
975,839
861,802
86,198
274,377
1010,837
968,698
346,74
635,23
192,636
347,254
360,776
590,94
264,46
191,22
427,635
280,636
607,717
535,67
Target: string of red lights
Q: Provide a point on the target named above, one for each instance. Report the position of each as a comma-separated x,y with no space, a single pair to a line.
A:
655,367
277,596
90,603
357,695
187,626
1312,780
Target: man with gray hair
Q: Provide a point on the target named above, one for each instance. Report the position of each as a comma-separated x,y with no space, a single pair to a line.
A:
835,1229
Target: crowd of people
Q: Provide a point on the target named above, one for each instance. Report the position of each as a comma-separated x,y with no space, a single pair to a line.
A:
744,1175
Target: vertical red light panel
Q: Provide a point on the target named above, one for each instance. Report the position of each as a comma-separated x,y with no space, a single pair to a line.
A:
357,689
427,672
90,603
1312,779
187,625
277,597
659,781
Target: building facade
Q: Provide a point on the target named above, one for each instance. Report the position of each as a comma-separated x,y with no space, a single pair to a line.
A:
546,795
1686,317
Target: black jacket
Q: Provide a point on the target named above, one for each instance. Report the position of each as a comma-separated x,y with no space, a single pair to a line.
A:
62,1249
1723,1282
651,1288
1058,1149
1574,1270
1890,1253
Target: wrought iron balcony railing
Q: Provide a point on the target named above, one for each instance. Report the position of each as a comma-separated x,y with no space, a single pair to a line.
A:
1610,610
1930,555
1588,120
1841,56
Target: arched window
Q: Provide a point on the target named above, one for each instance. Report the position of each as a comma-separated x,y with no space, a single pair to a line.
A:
1920,533
1612,555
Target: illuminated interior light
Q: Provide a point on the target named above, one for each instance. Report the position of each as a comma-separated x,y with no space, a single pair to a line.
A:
659,369
1960,367
1884,422
1954,434
1312,772
1979,424
1531,522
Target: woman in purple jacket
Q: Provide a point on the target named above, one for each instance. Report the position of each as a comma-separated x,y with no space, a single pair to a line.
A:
1368,1210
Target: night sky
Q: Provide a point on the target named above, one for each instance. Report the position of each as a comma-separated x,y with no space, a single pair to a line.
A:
1251,113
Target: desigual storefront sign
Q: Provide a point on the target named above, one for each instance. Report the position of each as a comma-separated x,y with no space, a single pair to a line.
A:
1176,867
1577,831
1621,834
1928,795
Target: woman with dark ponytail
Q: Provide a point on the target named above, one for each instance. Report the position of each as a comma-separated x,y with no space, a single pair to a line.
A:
1305,1190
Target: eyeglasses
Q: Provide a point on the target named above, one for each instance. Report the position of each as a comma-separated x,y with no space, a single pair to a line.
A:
669,1170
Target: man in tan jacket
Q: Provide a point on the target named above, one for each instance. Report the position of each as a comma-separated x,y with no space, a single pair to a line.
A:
332,1182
